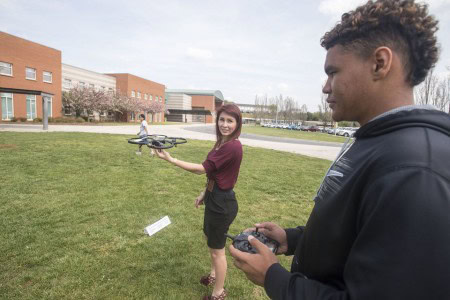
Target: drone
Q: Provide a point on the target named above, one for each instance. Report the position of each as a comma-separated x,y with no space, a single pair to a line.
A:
158,141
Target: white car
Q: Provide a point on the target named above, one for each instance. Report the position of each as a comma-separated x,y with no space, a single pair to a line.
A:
348,131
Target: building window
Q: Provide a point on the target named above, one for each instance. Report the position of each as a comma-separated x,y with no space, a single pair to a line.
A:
133,94
139,95
67,110
47,77
132,116
151,97
6,68
31,107
160,99
91,85
49,105
103,88
82,84
67,83
7,106
145,96
30,73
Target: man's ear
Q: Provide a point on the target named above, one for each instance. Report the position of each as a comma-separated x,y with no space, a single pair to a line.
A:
382,62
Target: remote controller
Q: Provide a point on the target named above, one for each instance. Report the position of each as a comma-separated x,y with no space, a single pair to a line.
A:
241,242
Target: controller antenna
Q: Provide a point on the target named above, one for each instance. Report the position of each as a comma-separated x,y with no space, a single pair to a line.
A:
230,236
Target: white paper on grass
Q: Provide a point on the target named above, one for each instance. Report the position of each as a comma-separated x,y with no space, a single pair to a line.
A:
157,226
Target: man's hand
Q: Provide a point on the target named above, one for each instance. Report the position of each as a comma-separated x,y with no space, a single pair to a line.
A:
275,232
254,266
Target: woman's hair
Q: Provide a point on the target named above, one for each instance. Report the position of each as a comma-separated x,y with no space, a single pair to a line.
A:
142,116
234,111
402,25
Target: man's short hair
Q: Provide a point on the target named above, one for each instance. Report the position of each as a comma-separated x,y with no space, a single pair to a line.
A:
402,25
142,116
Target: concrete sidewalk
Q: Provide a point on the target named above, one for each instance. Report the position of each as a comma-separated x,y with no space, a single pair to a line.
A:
186,131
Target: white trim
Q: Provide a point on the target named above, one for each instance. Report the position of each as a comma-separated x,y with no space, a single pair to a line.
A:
43,76
26,73
4,66
12,105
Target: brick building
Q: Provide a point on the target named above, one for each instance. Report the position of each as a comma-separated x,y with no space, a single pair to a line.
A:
137,87
208,100
29,73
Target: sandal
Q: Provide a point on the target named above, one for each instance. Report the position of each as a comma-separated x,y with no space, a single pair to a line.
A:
207,280
222,296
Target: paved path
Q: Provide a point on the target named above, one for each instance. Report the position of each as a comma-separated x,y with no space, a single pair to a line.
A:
325,150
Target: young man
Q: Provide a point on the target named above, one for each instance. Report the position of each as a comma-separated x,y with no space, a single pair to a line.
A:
143,133
380,227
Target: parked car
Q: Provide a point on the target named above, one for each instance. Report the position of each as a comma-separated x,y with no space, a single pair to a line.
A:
313,128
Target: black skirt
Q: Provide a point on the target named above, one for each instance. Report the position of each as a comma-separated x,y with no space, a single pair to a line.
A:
221,208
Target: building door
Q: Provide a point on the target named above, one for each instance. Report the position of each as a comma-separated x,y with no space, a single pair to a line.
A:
7,106
31,107
198,118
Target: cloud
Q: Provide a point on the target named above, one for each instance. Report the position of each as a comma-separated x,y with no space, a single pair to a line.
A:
336,8
283,86
199,53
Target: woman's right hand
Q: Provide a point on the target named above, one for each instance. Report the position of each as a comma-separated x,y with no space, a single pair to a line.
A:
199,200
275,232
163,154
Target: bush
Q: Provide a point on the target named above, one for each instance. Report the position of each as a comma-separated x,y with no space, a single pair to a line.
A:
66,120
37,120
14,119
22,119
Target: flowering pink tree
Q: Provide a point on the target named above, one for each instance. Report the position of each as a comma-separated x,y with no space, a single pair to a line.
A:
83,99
78,99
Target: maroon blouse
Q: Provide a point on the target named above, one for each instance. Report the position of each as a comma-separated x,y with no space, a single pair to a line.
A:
223,165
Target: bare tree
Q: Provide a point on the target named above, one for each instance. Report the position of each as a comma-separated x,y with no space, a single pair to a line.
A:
324,109
425,93
304,113
443,95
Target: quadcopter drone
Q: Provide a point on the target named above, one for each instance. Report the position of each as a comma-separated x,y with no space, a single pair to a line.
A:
157,141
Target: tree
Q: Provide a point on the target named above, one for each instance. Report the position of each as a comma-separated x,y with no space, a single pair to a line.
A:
324,109
78,98
304,113
425,93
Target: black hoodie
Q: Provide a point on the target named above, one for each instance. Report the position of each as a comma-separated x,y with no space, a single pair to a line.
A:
380,227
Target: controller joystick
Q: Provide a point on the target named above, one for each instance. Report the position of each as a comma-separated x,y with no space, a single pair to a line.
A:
241,242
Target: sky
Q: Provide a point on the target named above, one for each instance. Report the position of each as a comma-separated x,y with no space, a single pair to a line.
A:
243,48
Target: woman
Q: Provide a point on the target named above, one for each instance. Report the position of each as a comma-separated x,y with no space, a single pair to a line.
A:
222,169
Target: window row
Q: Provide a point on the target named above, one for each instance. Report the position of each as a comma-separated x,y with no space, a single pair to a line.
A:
8,106
30,73
146,96
156,117
67,83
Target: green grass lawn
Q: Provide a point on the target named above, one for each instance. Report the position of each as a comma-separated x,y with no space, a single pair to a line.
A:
304,135
74,207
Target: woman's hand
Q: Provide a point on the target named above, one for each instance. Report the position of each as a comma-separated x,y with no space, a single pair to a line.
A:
164,155
199,200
